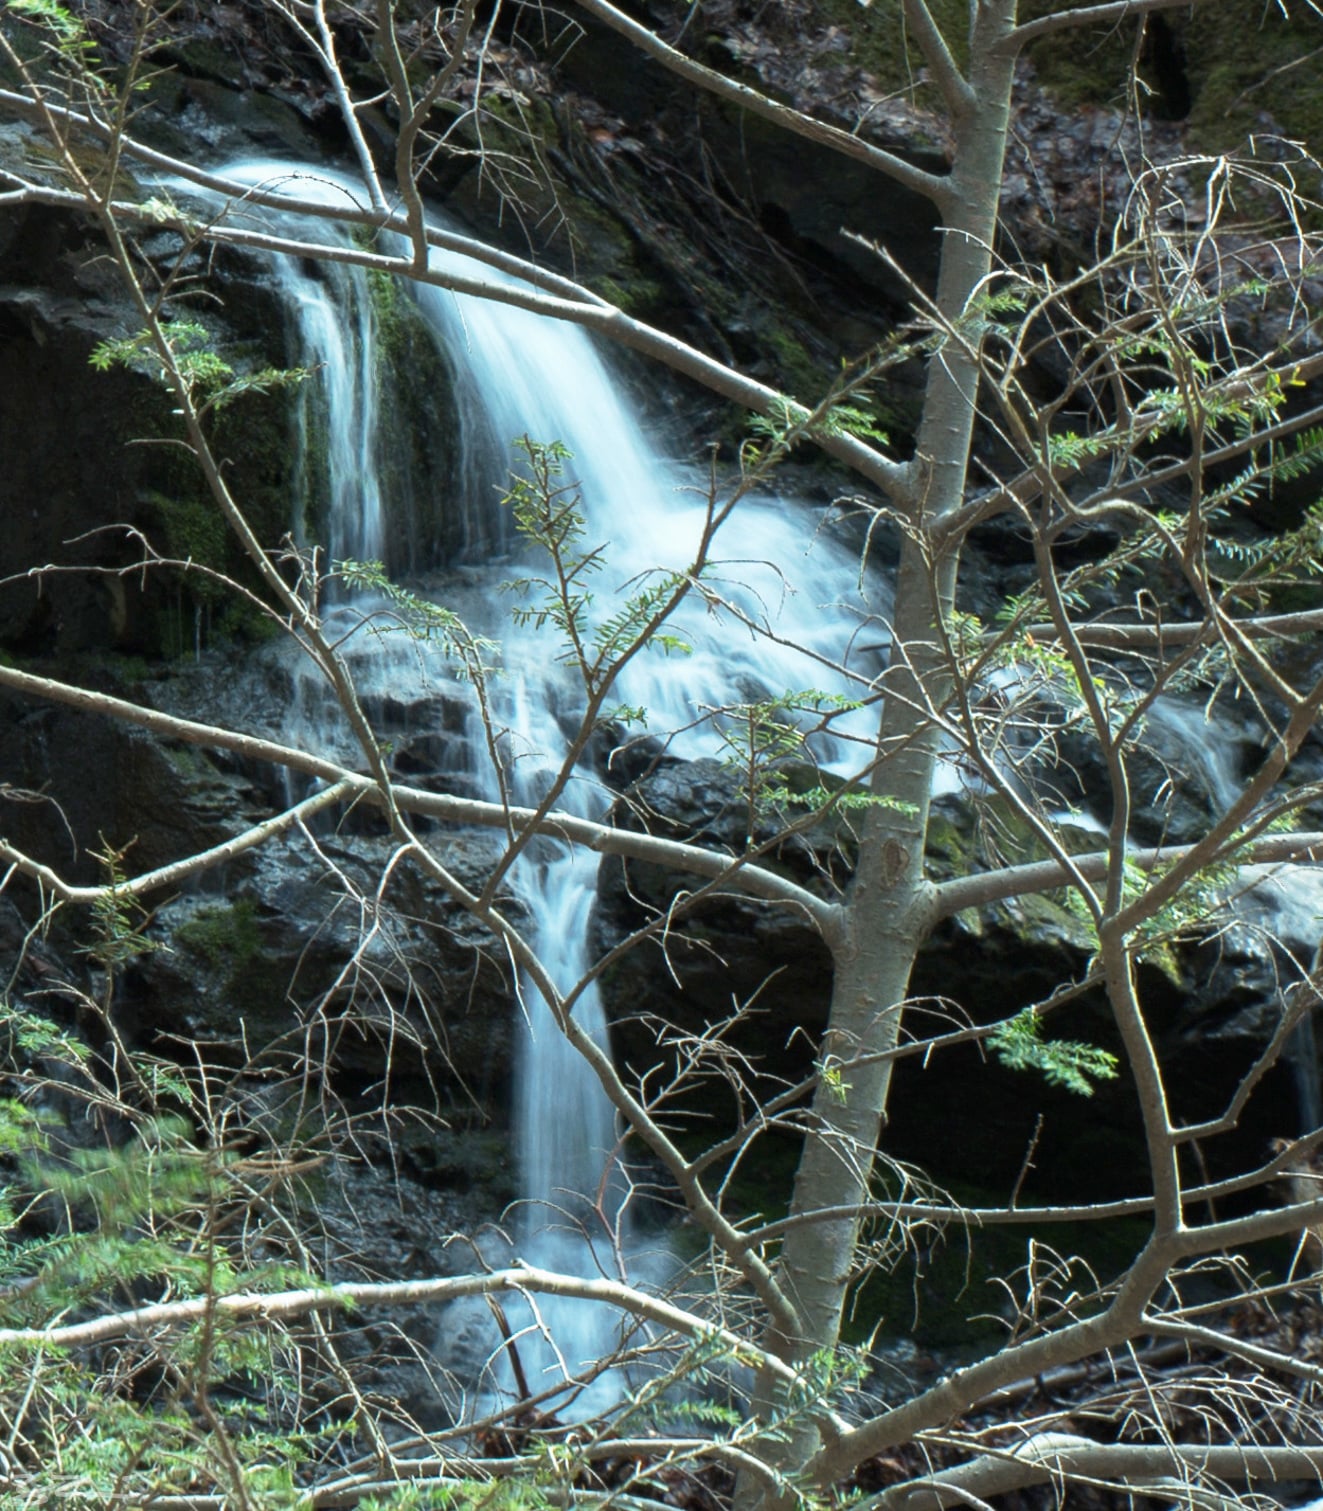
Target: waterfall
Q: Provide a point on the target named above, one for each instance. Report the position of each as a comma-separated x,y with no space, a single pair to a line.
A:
1283,903
519,374
795,603
337,332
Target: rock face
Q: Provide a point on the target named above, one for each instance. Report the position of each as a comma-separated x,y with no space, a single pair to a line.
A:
99,466
296,953
295,950
770,968
803,197
301,956
323,942
1212,1005
47,331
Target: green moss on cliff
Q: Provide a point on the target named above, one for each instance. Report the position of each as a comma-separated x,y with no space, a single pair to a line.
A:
1233,68
419,426
796,369
251,440
1249,65
879,43
194,531
959,846
225,937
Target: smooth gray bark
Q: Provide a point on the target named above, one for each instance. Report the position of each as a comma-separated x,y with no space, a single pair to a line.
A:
891,905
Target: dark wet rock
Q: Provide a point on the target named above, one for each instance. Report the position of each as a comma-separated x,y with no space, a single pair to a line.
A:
1184,770
1211,1005
309,954
101,465
733,952
84,782
28,961
379,1223
326,947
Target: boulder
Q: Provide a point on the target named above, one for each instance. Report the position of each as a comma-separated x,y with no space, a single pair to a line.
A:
733,955
756,982
304,956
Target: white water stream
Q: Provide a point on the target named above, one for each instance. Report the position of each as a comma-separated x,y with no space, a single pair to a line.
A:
520,374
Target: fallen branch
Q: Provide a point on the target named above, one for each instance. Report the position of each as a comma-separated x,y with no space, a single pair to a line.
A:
282,1306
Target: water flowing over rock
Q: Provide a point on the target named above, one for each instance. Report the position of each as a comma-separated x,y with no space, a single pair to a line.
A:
771,568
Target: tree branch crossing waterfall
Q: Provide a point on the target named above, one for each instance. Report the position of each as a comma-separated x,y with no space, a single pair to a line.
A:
754,627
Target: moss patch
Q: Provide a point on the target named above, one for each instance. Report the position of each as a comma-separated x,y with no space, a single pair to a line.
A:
879,43
225,936
195,531
943,1285
1232,69
415,462
1246,61
251,442
958,845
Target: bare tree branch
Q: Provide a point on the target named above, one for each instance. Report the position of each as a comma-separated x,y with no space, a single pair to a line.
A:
188,866
982,887
1089,15
274,1306
1051,1458
954,87
602,838
710,81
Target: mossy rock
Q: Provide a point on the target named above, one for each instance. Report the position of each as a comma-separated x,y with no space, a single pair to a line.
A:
944,1285
1246,62
1229,68
224,935
193,530
879,41
967,837
466,1161
417,461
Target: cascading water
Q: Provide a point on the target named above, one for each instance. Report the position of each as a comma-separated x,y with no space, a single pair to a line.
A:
1279,906
337,331
515,373
519,374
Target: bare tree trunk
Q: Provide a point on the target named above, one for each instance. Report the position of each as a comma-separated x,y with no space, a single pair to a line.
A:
890,910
